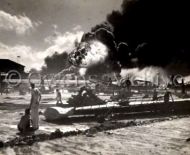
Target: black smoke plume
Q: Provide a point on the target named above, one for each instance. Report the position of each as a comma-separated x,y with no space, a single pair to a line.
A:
157,32
56,63
143,33
146,33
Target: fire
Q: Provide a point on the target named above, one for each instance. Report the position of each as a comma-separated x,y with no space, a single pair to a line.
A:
82,71
89,54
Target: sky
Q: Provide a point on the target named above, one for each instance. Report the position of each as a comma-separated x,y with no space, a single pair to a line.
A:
31,30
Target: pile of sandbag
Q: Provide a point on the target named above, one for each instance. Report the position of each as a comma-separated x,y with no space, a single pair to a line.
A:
85,97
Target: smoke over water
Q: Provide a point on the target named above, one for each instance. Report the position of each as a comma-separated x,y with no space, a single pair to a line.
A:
143,33
156,75
156,32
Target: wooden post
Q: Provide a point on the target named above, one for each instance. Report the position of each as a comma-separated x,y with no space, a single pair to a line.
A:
76,80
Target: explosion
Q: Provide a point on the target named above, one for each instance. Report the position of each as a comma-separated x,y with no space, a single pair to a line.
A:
89,54
82,71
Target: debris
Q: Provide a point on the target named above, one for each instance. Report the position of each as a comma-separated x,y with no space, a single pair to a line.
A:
123,94
85,97
56,134
91,132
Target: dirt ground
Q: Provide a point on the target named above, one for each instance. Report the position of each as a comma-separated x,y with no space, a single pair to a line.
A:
165,138
12,107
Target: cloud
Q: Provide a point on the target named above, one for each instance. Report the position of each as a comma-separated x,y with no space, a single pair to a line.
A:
63,42
77,28
19,24
28,57
32,58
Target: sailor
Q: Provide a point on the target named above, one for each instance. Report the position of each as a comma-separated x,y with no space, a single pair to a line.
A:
167,96
155,95
34,106
24,124
58,97
183,91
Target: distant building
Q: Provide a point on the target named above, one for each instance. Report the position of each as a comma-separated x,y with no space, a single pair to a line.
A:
10,69
7,65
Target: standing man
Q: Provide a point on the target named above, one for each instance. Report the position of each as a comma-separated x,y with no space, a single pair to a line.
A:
155,95
34,106
58,97
42,86
183,91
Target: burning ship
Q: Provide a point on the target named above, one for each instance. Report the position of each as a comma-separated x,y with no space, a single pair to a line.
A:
141,96
131,39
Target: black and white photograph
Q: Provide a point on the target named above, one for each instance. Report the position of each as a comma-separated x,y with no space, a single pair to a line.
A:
94,77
